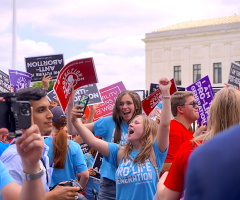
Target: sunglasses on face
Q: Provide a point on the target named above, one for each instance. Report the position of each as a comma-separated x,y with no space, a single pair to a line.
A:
193,104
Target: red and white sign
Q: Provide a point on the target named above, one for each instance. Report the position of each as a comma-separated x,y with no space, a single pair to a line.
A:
153,99
75,74
109,95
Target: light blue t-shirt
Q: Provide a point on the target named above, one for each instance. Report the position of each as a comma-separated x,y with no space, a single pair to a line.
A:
13,162
136,181
5,178
74,164
105,128
92,183
3,147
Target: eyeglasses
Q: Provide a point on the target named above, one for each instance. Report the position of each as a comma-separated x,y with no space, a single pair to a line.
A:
193,104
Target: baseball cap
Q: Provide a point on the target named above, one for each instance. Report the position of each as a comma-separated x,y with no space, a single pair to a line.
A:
58,114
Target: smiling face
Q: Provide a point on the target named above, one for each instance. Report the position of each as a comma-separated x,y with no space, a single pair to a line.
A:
42,116
190,112
135,131
126,107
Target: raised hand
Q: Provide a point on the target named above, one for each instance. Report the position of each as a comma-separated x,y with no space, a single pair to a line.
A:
164,85
45,80
30,147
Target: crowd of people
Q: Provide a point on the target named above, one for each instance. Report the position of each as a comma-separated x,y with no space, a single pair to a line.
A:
144,159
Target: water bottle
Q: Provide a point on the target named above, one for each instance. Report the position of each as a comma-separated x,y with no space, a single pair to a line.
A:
153,113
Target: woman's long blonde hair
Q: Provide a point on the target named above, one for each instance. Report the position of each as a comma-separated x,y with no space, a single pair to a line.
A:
148,137
224,112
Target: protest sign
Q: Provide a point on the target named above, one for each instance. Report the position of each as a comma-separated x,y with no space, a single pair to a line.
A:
153,99
4,82
97,164
19,79
85,148
109,95
153,87
75,74
203,94
92,91
52,95
39,66
234,75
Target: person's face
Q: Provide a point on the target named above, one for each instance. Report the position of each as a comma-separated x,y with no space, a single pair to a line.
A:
126,107
190,112
135,130
42,116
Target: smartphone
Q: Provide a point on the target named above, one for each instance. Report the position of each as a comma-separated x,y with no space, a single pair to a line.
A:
83,102
14,115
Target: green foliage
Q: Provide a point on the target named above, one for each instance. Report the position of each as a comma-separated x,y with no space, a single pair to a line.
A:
39,84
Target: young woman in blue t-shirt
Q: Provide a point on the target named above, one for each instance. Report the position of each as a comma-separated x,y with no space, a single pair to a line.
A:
136,163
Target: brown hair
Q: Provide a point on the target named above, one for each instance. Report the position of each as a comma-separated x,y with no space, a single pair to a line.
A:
224,112
116,112
148,137
60,145
177,99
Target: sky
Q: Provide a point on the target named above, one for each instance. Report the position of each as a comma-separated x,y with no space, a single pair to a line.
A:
110,31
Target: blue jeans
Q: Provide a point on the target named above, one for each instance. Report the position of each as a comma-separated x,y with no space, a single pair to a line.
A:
107,189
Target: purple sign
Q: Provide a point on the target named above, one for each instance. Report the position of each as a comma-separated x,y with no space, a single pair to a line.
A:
19,79
204,95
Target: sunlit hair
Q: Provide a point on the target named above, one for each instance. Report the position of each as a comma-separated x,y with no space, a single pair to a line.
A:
149,134
117,117
60,145
224,112
179,98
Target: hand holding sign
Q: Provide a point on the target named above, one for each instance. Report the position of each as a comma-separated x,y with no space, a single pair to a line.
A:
75,74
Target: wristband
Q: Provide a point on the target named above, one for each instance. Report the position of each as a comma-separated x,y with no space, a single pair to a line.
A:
166,97
29,177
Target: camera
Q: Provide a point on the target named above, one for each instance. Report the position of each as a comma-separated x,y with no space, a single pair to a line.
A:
14,115
72,183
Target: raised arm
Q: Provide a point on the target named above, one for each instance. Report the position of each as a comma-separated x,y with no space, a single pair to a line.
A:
30,147
164,126
45,81
86,134
71,128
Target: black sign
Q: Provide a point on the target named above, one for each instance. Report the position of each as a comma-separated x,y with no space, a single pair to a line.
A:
39,66
153,87
85,148
52,95
97,164
234,75
4,82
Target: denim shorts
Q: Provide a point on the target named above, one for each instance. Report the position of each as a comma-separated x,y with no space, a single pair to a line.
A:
107,189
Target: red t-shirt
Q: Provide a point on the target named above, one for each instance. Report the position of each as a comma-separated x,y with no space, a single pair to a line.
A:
177,136
175,177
